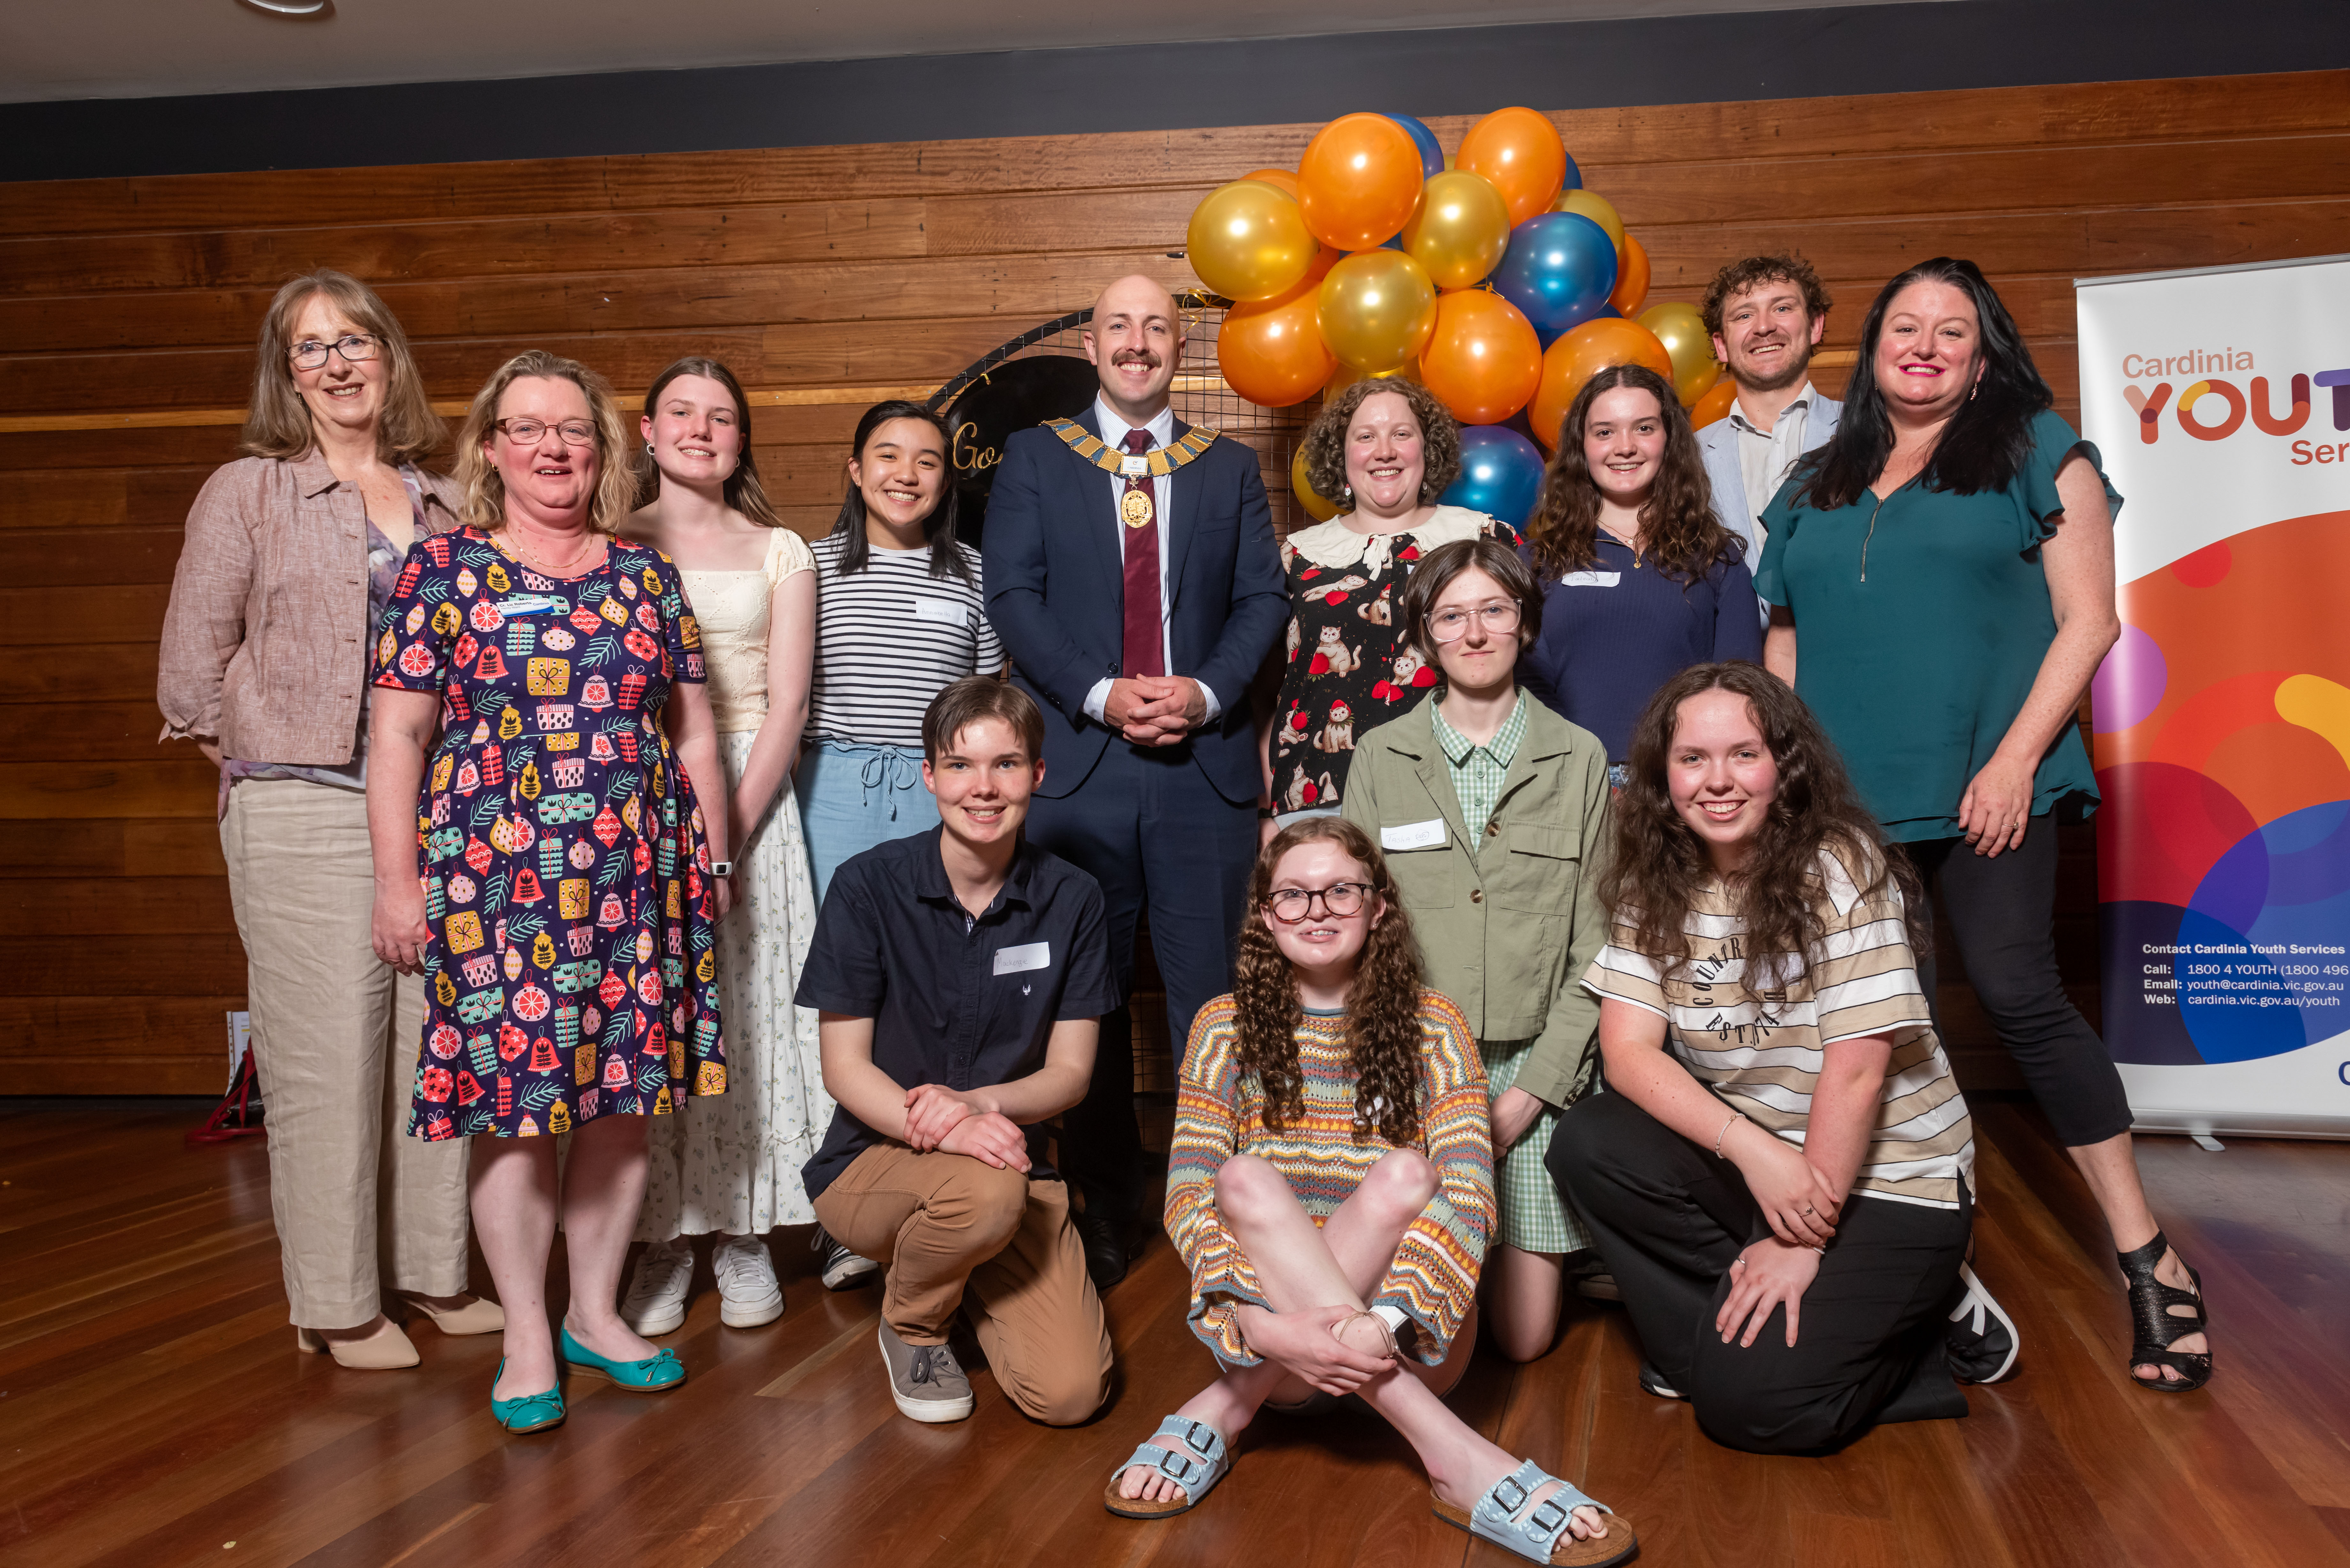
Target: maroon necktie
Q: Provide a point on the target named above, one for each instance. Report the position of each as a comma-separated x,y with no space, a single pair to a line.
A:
1138,515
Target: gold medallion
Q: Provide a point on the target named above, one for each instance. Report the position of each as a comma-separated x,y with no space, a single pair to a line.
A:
1136,506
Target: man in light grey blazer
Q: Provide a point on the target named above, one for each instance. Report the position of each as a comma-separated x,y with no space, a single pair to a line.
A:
1766,315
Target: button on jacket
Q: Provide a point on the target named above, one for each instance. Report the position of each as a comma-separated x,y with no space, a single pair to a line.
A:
955,1000
265,643
1510,916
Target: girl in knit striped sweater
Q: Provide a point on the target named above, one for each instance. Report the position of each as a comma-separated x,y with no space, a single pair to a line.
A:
1331,1188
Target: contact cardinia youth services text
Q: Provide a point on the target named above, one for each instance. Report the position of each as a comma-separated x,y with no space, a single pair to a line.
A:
2265,984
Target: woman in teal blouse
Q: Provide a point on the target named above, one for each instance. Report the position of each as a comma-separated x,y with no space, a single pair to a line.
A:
1945,563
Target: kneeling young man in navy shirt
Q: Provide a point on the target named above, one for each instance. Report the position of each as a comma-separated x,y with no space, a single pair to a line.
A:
960,977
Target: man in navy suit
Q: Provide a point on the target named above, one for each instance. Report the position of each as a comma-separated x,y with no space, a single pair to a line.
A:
1766,315
1131,571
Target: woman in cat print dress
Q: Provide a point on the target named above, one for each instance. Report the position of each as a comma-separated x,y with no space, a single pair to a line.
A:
567,907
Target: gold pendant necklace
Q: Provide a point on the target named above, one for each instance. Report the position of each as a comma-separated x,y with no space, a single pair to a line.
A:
523,550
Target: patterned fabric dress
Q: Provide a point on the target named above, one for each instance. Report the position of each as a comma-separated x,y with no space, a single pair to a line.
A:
1220,1113
570,964
733,1163
1348,667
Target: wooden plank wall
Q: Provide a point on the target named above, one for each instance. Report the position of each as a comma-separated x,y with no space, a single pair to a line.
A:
822,267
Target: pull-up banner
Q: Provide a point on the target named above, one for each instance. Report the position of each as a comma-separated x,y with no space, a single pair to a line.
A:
2221,401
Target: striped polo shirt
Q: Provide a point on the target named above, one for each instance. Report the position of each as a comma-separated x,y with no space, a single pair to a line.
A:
1763,1053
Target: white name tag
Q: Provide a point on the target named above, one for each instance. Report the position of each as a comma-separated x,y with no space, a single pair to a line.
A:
1134,467
1413,836
946,612
1590,580
531,604
1026,956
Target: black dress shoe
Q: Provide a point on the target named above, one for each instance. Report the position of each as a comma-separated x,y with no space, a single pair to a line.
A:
1104,1249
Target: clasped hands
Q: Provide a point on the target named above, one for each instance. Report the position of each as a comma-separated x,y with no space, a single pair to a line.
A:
1155,710
937,1117
1801,1208
1303,1343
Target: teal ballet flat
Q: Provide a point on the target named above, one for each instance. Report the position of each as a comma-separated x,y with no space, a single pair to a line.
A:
650,1375
532,1412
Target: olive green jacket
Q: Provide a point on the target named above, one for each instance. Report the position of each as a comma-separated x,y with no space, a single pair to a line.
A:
1507,933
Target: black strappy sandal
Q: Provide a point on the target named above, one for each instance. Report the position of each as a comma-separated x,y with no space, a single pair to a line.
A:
2158,1327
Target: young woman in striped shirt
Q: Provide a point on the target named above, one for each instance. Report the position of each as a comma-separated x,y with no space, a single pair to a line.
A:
899,618
1331,1188
1772,1073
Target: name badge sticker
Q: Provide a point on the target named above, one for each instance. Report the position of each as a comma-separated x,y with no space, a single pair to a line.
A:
1135,467
1590,580
531,604
946,612
1413,835
1023,958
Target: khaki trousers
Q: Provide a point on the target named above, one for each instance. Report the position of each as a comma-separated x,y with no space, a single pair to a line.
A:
335,1035
954,1232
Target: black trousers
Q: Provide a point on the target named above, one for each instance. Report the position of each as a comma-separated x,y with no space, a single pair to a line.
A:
2002,915
1670,1219
1149,826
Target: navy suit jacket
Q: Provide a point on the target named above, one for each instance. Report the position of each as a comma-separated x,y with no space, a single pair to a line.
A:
1056,583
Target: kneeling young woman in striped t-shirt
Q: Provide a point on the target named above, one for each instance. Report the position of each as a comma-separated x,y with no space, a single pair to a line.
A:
1770,1059
1331,1188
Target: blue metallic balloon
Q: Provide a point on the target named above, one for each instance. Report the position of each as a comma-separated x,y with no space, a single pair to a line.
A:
1431,152
1558,271
1574,181
1501,474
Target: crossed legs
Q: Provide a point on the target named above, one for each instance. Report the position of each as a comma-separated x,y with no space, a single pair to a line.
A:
516,1201
1339,1264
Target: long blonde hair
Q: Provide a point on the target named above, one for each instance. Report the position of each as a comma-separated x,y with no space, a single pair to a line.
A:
484,502
277,421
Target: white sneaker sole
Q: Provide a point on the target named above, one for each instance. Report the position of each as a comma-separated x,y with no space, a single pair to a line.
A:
934,1411
1979,1297
849,1275
749,1315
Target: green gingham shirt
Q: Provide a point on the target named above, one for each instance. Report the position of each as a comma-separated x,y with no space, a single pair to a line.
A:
1478,771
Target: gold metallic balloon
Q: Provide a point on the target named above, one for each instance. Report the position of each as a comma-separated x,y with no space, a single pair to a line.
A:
1600,211
1248,241
1681,330
1377,310
1461,230
1316,508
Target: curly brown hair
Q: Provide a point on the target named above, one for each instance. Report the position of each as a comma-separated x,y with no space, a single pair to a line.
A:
1326,440
1382,1008
1679,534
1659,865
1741,275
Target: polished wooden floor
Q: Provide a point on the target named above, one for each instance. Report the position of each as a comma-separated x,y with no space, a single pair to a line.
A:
153,1410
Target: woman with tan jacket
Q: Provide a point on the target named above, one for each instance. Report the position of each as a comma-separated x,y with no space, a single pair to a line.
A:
1489,807
290,556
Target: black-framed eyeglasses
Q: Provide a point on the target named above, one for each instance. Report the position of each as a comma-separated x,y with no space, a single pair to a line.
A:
530,432
1452,625
1291,905
356,348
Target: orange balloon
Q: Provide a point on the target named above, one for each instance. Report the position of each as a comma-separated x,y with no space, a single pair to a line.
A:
1631,278
1582,354
1281,178
1359,181
1483,359
1519,151
1271,350
1714,405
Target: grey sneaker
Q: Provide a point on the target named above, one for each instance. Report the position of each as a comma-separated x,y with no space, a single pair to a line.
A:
656,1299
843,1270
925,1379
748,1295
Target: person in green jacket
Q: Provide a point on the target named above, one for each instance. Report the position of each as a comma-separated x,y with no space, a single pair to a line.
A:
1489,807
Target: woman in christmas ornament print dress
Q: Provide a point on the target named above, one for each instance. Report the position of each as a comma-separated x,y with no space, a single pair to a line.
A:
567,912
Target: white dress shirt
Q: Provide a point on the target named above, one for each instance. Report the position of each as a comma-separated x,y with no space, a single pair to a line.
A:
1163,499
1766,458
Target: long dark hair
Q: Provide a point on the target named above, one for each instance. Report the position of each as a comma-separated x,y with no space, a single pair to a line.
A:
742,491
1382,1009
938,528
1659,865
1679,532
1987,441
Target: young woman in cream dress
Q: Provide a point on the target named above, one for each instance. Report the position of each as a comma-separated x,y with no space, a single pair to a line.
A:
732,1165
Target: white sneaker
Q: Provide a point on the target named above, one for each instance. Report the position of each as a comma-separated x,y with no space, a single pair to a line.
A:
748,1295
656,1299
